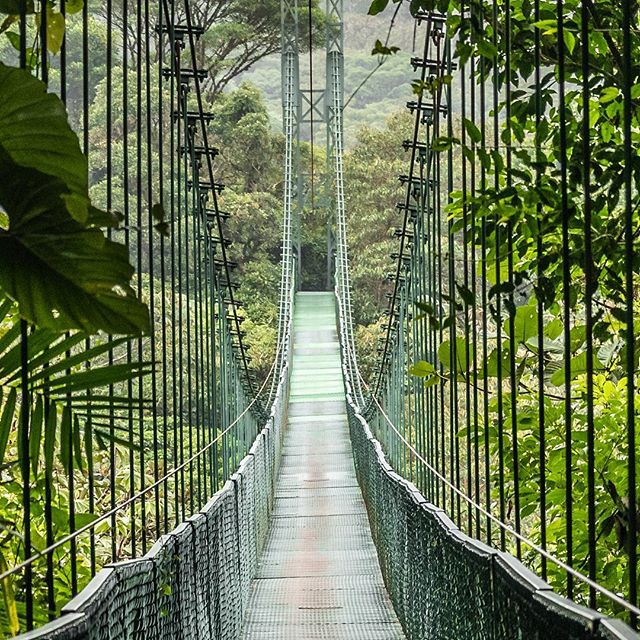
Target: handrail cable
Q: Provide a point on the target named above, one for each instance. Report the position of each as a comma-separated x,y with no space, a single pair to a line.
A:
350,356
505,527
108,514
286,277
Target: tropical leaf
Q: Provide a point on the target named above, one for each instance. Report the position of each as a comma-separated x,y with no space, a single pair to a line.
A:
421,369
444,355
35,432
63,274
13,6
55,260
377,6
9,598
11,357
578,367
525,324
58,346
6,420
35,131
67,396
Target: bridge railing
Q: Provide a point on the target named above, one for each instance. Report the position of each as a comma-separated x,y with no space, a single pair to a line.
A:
442,582
108,469
445,584
506,384
194,582
508,361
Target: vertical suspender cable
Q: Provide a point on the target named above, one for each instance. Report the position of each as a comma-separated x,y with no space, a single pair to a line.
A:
629,257
311,107
566,293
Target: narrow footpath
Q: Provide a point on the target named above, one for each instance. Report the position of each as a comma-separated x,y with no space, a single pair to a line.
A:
319,575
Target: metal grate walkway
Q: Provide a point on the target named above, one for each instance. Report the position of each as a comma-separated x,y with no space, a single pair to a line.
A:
319,575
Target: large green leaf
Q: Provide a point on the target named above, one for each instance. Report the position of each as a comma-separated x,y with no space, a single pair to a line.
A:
55,29
63,274
578,367
35,132
444,355
55,260
13,6
9,598
6,420
504,360
525,323
421,369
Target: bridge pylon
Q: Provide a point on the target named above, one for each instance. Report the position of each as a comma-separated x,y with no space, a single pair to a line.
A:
334,104
307,107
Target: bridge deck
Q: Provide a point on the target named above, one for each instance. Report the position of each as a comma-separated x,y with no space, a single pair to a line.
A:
319,575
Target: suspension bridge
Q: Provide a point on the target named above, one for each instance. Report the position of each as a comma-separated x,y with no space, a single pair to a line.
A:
315,503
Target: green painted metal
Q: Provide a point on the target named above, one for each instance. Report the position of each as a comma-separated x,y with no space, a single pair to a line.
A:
443,583
319,575
287,547
195,582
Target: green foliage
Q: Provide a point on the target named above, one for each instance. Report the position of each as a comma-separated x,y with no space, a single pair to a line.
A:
377,6
415,6
239,33
56,262
366,345
251,152
55,23
252,170
371,193
60,273
519,211
380,49
34,132
453,357
56,366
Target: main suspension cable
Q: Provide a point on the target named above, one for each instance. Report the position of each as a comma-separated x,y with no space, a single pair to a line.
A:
225,260
414,145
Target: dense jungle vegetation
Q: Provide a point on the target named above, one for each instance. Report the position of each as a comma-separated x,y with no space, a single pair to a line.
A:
538,313
93,295
65,308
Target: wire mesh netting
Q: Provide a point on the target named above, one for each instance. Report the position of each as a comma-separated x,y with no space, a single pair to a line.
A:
446,585
195,581
506,387
127,436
